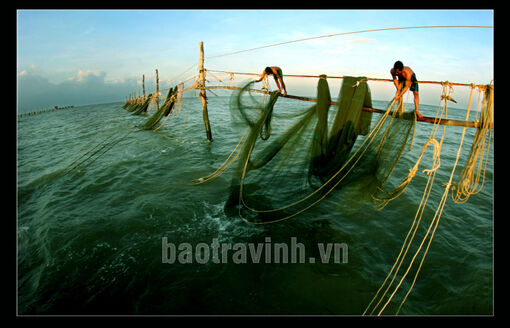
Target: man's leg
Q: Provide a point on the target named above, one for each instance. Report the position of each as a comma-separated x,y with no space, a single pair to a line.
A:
417,103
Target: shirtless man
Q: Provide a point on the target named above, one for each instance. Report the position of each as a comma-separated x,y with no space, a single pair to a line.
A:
278,77
406,74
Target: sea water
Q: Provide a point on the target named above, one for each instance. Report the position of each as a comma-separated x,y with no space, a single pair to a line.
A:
98,238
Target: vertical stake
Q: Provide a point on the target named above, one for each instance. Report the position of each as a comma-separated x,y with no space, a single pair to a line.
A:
202,94
143,85
157,90
179,95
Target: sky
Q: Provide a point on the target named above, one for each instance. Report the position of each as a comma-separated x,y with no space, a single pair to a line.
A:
78,57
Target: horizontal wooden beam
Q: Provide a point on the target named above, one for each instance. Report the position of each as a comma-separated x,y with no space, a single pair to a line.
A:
341,77
469,124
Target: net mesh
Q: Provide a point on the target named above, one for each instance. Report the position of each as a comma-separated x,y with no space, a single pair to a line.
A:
313,151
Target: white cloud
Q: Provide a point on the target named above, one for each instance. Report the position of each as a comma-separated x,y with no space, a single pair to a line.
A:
82,76
115,80
85,87
31,69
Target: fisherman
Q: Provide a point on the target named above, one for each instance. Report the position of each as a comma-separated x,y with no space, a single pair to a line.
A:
405,74
278,77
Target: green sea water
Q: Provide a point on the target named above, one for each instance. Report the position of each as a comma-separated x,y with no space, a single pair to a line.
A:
92,240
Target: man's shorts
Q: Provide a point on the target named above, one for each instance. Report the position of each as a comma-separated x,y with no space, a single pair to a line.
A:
279,71
414,83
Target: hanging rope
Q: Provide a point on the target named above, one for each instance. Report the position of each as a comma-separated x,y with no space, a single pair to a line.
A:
469,180
429,235
346,33
415,224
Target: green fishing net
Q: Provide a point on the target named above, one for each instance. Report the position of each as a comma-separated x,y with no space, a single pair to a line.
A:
291,160
143,108
137,106
164,110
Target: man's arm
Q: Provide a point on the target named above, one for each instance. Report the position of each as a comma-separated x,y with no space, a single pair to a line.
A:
395,80
407,84
261,76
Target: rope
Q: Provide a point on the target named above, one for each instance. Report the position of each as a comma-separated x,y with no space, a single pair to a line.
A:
224,166
340,77
103,145
368,139
447,90
419,214
327,36
442,204
345,33
469,180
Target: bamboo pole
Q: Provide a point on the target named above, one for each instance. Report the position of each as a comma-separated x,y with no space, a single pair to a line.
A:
202,94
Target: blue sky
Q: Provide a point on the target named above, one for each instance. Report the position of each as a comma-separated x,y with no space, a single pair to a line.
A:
84,56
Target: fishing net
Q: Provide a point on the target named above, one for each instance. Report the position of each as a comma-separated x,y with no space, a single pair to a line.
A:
138,105
164,110
143,108
291,160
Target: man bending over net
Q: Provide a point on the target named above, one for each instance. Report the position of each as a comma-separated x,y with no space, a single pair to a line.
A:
406,75
278,77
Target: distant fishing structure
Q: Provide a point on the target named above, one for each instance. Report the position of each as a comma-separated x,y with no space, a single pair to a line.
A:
41,111
332,159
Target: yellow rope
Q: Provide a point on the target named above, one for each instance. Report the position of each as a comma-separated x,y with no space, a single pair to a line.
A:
447,89
368,139
224,166
227,163
412,172
441,206
347,33
469,180
435,221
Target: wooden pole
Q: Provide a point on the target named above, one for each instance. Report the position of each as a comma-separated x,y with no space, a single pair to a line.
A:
202,94
143,85
179,95
157,90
